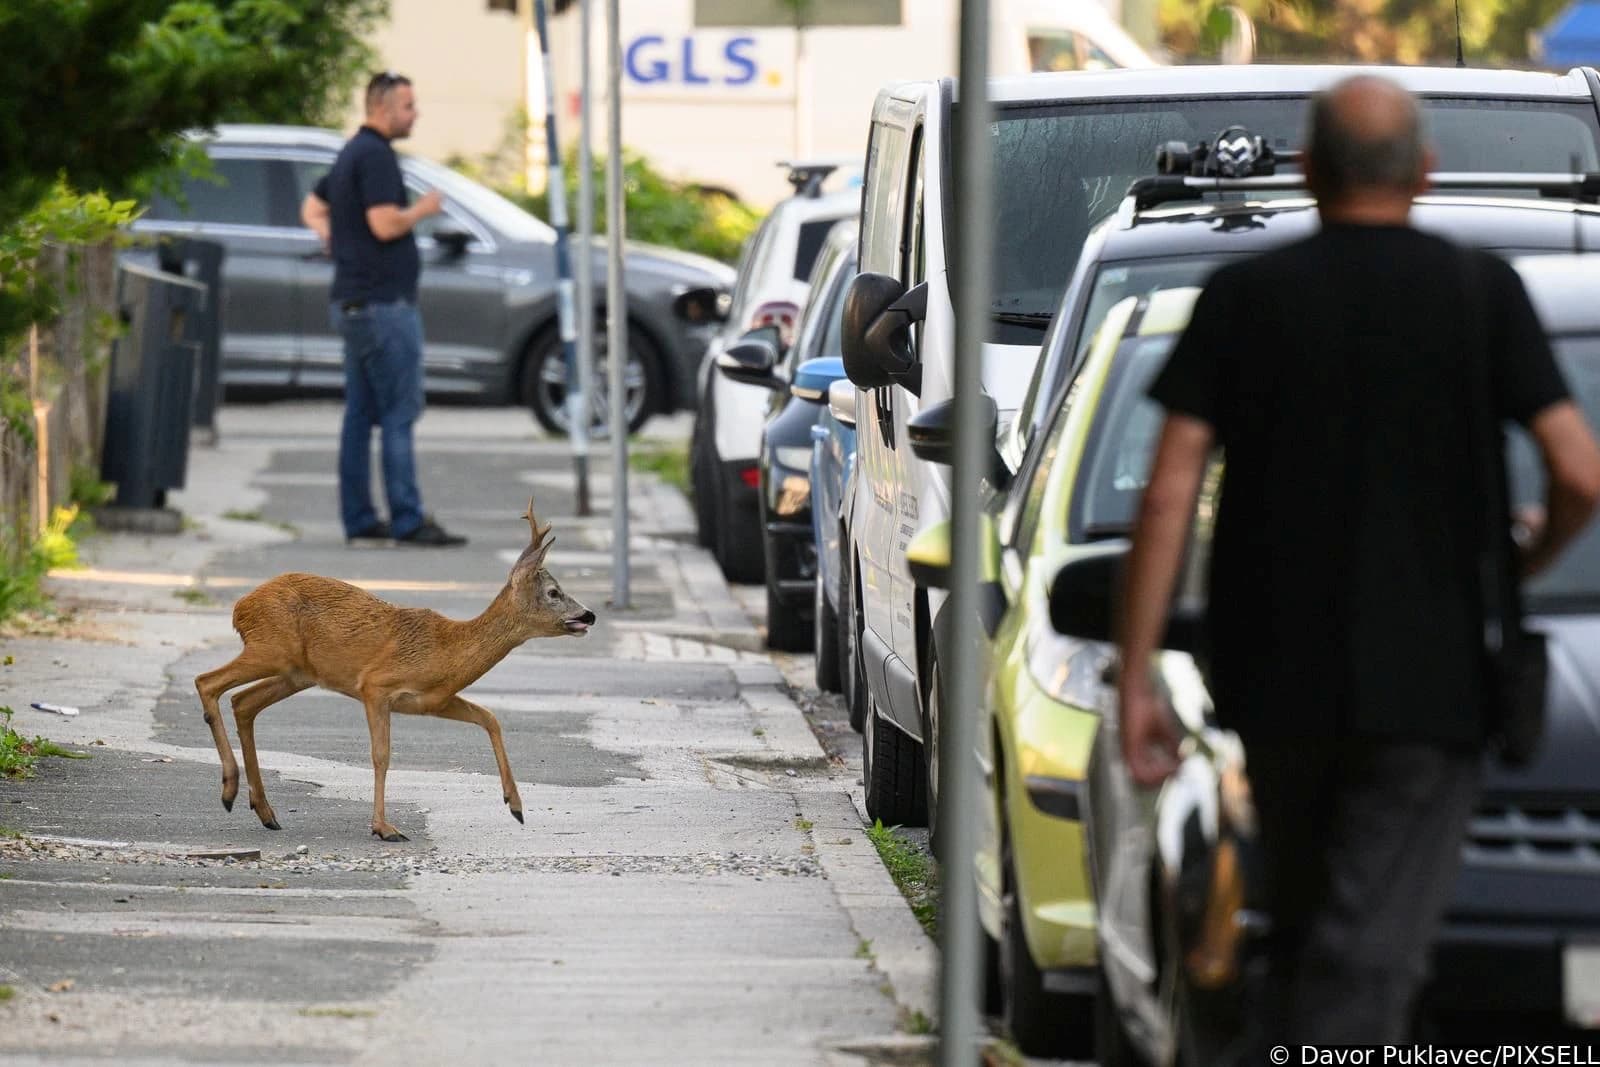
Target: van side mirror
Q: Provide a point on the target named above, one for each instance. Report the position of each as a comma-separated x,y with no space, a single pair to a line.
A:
1084,594
752,358
931,434
875,335
702,304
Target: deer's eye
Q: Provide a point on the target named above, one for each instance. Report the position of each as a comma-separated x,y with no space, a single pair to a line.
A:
553,595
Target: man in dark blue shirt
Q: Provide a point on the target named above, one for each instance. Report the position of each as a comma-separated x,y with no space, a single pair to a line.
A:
362,213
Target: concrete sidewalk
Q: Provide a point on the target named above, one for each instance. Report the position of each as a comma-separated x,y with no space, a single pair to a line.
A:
693,884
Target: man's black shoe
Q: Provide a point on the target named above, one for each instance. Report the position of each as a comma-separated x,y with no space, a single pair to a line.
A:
377,532
431,535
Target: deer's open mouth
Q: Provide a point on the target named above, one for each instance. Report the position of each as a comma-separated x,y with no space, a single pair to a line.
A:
577,626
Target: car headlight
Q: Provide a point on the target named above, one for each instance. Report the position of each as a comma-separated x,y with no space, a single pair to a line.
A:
1069,671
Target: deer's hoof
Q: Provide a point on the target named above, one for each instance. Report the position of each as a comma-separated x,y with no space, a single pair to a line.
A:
227,803
271,824
516,814
392,835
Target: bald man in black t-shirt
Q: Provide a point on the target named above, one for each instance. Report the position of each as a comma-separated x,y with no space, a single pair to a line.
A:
1346,620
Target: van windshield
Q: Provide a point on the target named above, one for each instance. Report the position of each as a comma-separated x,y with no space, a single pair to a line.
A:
1062,168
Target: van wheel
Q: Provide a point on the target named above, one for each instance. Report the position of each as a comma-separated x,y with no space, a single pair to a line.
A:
852,665
825,639
1043,1024
543,383
893,771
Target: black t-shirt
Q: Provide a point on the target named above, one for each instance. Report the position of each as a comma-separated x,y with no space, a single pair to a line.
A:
365,269
1344,570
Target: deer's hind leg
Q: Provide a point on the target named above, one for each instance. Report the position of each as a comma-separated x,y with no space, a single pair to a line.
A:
466,711
245,667
246,706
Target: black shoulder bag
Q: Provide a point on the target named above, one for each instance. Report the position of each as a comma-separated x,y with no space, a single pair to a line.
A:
1516,670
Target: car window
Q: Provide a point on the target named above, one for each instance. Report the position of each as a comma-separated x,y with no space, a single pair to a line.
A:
1121,442
881,200
239,192
746,269
1061,168
1573,581
826,280
504,218
808,245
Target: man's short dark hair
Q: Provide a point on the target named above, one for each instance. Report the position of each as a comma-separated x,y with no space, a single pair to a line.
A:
1346,157
382,84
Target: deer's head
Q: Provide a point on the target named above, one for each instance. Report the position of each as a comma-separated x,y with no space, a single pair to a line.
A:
546,610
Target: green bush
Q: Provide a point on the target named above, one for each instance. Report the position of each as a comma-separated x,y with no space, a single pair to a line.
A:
18,754
659,210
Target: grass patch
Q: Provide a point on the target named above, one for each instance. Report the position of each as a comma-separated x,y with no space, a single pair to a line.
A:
338,1013
18,754
914,1022
6,993
913,872
669,462
192,595
242,516
803,824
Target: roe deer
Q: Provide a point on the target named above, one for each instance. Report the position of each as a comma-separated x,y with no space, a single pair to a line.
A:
302,630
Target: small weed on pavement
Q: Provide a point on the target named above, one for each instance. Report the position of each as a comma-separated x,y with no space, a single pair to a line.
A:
667,461
914,873
6,993
18,754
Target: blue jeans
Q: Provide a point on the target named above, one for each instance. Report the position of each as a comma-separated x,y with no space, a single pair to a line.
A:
383,389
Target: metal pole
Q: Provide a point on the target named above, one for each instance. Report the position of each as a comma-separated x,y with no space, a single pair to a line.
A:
616,315
556,194
585,390
959,794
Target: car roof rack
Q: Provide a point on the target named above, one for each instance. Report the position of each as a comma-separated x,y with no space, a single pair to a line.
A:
807,175
1236,161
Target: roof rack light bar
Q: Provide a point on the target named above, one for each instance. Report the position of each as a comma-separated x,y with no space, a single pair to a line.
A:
1173,188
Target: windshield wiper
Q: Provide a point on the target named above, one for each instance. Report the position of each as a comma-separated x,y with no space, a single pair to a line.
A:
1039,320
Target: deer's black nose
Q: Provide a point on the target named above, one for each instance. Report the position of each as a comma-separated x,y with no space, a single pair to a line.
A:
587,617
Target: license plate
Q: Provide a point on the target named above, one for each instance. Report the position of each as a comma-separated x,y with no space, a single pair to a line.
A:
1580,985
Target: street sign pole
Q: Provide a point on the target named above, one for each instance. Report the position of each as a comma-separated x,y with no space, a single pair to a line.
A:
556,194
616,314
585,243
959,793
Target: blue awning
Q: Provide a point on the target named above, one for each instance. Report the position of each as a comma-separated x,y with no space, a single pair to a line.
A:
1572,38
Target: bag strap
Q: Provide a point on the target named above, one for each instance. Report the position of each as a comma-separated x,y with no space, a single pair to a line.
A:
1500,616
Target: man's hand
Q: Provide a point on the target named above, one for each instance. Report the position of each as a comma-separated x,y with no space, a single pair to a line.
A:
1150,733
429,203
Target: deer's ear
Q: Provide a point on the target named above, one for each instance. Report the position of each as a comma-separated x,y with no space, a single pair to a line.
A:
528,563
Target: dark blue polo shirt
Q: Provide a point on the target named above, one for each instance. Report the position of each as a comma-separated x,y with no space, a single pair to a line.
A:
365,269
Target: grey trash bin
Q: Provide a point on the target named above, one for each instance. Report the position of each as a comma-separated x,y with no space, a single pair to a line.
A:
149,406
201,261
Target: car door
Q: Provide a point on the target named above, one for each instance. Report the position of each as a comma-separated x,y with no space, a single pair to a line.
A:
908,472
321,350
247,204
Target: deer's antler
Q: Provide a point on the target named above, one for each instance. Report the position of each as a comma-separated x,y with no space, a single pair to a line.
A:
537,533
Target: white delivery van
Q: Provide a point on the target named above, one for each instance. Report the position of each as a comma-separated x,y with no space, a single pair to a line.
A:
720,103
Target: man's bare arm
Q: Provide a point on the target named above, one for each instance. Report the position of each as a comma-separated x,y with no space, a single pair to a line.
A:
390,222
1149,737
314,213
1572,462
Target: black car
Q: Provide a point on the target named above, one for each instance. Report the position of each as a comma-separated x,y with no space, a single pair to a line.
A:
488,287
789,546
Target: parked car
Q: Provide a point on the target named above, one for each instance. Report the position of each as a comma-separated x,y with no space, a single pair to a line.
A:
833,463
488,289
774,272
1086,433
1066,148
798,387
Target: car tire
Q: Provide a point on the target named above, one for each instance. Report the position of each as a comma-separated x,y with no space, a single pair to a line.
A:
853,665
546,400
894,774
738,538
702,487
787,629
1041,1024
825,639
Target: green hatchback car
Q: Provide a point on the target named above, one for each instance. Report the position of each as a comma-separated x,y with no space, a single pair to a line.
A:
1044,692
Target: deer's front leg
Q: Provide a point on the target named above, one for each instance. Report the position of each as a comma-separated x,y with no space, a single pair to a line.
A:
466,711
378,727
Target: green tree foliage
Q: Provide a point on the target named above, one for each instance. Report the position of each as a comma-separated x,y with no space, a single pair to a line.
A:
1493,32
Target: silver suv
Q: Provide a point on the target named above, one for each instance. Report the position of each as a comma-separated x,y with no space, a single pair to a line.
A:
488,291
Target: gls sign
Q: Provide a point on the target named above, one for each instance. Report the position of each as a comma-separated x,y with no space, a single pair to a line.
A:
654,61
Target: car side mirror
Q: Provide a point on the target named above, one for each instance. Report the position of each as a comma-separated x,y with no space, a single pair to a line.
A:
928,560
702,305
453,242
931,434
1084,594
875,334
752,358
814,377
842,401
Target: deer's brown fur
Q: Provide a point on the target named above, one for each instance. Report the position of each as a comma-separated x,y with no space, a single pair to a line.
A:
301,630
